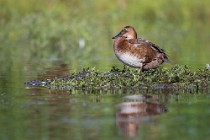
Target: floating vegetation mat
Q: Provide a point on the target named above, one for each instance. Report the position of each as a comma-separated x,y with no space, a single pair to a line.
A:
175,78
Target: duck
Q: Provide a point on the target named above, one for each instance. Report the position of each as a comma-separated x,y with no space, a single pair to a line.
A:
137,52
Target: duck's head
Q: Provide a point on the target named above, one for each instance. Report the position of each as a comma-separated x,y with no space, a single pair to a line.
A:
128,32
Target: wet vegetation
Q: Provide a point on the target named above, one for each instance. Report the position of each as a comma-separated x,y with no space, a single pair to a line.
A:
175,78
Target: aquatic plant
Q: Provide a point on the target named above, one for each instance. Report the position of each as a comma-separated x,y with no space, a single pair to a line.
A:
176,77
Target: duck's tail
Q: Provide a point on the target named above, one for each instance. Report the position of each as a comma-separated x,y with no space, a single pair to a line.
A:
166,59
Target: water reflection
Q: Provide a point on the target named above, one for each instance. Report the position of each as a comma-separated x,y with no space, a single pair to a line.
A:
136,111
59,71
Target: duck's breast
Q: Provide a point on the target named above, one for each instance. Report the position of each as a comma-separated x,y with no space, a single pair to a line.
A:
130,59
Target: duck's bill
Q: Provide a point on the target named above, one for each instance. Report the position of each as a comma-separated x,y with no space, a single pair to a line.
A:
118,35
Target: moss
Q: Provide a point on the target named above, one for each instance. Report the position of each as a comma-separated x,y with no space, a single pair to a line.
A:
176,77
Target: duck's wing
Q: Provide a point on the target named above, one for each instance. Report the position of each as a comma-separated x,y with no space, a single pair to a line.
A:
143,42
139,42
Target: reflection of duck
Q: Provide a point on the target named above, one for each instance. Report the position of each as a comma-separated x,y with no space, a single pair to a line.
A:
137,52
131,114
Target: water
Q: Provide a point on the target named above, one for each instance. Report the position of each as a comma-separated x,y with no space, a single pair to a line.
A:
39,113
47,39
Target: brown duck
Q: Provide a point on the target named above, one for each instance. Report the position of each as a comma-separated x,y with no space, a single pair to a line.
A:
137,52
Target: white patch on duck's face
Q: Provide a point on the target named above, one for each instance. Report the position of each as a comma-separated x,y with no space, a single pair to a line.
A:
130,60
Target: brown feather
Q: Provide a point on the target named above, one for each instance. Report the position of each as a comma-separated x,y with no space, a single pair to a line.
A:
149,54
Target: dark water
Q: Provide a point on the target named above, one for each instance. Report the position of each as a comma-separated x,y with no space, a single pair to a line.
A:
39,113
